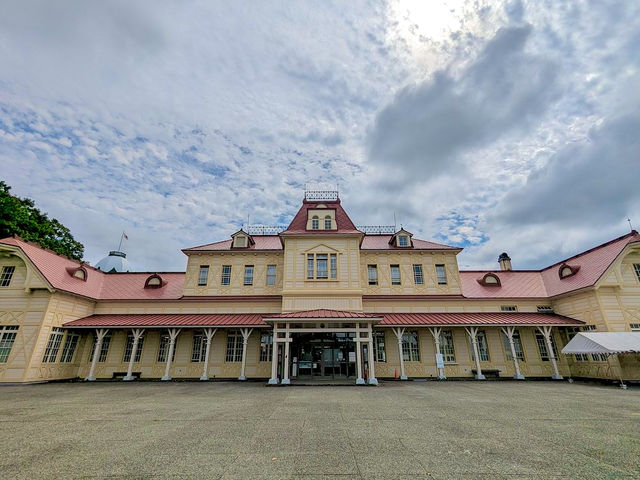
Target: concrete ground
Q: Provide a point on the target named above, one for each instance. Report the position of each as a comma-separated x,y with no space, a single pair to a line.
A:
246,431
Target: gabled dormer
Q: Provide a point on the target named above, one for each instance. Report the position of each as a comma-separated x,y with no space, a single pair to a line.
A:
241,239
401,239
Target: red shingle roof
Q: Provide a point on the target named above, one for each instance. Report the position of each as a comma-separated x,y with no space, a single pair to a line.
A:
546,283
381,242
299,223
324,313
480,318
168,320
261,242
98,285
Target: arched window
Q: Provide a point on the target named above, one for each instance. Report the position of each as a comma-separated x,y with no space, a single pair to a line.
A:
315,223
327,222
567,270
153,281
490,280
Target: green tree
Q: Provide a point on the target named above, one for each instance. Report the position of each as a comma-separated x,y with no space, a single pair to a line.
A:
19,216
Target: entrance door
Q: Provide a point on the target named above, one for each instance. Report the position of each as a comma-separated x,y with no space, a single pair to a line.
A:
322,355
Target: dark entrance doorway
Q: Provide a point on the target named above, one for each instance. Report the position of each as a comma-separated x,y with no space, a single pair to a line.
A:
323,355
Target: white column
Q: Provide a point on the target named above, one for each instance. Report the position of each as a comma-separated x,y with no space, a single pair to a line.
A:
173,334
509,331
546,331
435,332
208,333
399,333
100,334
137,335
359,379
473,335
372,369
287,339
274,357
246,332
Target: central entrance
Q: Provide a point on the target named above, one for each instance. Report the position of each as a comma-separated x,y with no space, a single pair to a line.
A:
326,355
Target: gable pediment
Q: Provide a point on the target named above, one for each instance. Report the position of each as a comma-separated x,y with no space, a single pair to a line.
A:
321,248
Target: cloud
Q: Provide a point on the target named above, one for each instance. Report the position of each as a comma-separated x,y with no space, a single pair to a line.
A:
427,128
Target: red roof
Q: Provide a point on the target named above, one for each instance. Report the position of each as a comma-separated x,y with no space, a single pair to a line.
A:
324,313
381,242
299,223
98,285
169,320
547,283
255,319
480,318
261,242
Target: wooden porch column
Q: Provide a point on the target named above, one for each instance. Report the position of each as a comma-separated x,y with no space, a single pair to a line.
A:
509,331
100,334
274,356
435,332
359,379
246,333
208,333
399,333
372,369
287,339
137,335
546,331
173,334
473,335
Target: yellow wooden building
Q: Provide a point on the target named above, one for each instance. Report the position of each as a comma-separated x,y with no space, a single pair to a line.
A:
322,300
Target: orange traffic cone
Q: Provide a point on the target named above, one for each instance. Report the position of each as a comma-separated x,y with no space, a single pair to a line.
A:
395,375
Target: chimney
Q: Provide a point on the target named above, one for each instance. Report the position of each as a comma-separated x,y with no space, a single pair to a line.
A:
504,261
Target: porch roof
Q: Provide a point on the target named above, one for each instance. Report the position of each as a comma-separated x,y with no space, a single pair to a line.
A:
169,320
477,318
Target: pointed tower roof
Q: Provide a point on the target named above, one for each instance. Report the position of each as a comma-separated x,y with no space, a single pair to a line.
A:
299,223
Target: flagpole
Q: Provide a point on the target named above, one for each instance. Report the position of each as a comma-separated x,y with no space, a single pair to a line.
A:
121,238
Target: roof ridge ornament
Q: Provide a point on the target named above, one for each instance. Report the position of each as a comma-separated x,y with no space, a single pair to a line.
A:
321,192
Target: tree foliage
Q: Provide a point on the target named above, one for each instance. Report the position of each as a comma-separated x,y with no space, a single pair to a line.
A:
19,216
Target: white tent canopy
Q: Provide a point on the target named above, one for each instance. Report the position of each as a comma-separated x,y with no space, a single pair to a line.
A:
603,342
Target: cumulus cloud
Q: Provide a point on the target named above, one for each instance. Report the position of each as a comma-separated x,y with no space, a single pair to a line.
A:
428,127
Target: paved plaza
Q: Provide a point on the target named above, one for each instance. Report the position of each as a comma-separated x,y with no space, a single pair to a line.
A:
244,431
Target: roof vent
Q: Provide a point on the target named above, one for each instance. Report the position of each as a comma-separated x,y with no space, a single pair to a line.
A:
490,280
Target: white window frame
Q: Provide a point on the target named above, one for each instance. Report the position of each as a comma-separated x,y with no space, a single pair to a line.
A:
395,279
248,275
128,348
70,346
634,327
322,266
266,346
225,277
483,347
541,342
7,275
441,274
271,275
199,348
328,225
544,309
411,346
372,274
163,348
447,347
203,275
418,274
636,268
8,334
403,241
233,353
315,223
104,350
379,349
53,345
517,346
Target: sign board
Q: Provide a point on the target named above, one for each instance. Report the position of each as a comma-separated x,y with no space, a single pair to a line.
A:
352,357
439,360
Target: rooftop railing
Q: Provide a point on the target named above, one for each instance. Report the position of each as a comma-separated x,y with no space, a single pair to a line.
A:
265,229
377,229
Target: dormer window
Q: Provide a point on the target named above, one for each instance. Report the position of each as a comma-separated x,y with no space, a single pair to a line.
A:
567,270
80,273
327,223
490,280
315,223
153,281
403,241
241,239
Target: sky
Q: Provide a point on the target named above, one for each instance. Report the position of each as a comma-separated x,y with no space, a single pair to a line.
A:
495,126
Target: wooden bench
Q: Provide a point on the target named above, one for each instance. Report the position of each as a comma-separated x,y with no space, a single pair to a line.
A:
494,372
123,374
